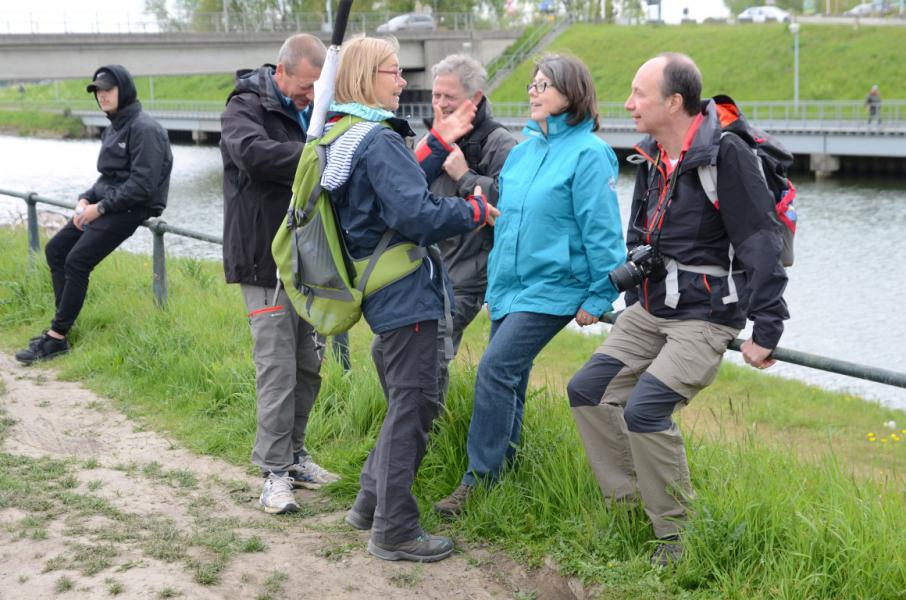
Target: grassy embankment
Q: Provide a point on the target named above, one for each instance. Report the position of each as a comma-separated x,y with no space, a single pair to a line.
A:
793,500
750,62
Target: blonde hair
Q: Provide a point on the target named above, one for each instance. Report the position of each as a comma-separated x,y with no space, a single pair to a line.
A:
360,59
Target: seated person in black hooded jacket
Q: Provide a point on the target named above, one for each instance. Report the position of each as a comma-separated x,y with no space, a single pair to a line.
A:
135,164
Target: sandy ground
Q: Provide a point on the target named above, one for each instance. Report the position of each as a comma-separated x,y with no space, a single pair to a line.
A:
139,474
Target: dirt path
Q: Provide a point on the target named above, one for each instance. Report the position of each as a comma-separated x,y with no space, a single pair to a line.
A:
92,506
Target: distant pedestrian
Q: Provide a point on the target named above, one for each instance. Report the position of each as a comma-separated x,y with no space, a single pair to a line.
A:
263,133
873,104
135,163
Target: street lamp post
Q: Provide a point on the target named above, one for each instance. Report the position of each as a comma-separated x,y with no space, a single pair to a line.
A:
794,28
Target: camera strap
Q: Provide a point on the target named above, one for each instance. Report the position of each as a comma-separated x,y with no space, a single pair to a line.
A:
665,199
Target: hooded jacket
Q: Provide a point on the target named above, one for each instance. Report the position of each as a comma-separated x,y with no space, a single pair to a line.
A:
261,142
694,232
386,189
559,232
135,159
466,255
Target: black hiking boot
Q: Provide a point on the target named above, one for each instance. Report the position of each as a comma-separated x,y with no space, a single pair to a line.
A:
669,551
424,548
453,505
42,348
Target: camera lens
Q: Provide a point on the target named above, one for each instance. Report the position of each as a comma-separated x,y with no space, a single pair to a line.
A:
626,276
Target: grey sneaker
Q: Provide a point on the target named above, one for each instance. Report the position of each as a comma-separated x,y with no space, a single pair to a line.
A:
424,548
308,474
455,503
668,551
277,495
357,520
42,348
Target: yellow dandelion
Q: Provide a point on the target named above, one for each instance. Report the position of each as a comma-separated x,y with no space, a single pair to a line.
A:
904,431
870,434
895,437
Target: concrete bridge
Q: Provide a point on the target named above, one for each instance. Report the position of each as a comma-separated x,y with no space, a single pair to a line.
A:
28,57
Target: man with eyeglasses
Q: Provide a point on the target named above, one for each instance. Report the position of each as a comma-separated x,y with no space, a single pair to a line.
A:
709,268
263,133
464,147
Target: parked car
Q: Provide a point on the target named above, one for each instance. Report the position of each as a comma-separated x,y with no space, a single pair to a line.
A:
760,14
408,22
868,9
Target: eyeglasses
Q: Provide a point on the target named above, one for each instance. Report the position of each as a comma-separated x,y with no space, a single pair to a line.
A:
539,86
397,72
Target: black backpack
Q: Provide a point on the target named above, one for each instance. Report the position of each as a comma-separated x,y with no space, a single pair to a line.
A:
774,160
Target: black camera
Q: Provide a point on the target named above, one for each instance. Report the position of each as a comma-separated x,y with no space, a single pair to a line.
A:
644,262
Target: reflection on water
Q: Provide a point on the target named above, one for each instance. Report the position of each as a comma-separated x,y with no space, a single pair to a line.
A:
844,292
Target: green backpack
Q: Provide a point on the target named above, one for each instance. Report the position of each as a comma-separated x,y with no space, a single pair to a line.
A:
325,285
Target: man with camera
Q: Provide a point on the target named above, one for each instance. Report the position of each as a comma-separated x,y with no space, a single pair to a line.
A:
696,271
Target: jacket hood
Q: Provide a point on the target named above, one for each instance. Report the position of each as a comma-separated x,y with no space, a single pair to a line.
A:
705,145
124,82
256,81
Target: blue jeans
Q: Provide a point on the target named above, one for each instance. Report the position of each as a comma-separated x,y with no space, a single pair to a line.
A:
500,385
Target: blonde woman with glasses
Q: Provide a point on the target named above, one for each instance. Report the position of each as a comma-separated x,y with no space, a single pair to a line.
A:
377,186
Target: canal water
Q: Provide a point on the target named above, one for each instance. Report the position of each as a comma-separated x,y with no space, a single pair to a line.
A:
845,293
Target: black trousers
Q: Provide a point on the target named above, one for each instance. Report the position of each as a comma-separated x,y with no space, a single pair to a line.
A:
408,365
73,254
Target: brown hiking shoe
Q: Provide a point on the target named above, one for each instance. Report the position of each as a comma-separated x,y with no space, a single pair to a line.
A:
455,503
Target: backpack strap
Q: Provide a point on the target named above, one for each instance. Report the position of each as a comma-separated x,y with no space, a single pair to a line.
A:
476,139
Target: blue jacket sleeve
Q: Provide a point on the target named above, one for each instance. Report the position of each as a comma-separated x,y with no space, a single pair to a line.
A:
406,204
431,154
597,214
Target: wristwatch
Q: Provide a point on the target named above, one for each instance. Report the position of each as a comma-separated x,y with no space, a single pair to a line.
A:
101,209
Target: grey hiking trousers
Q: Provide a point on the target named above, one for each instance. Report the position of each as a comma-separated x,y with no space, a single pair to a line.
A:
287,381
623,400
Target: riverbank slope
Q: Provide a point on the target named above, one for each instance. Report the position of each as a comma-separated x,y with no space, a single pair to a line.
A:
795,499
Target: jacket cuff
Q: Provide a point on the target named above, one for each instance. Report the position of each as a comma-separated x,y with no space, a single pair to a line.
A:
479,209
440,139
596,306
468,182
767,337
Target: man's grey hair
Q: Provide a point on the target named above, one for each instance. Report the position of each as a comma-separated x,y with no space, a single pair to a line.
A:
469,71
301,46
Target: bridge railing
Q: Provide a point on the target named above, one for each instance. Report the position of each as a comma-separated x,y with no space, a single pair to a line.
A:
159,227
811,113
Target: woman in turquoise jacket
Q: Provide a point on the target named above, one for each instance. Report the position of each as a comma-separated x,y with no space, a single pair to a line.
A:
557,238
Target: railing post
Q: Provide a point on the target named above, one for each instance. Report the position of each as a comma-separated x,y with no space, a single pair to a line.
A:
160,262
34,242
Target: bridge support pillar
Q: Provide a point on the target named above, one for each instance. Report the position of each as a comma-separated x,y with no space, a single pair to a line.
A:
824,165
93,131
199,137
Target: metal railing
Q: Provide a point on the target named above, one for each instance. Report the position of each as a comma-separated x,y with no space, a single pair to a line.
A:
159,227
230,22
817,113
811,113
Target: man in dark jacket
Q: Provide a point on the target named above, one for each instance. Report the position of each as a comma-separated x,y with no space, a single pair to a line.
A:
135,163
263,133
464,147
721,265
